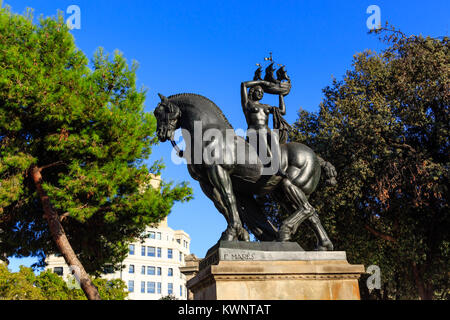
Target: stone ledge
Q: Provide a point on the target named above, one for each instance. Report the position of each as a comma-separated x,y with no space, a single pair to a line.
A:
265,251
286,267
263,280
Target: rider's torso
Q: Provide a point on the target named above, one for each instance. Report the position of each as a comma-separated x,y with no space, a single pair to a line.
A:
257,115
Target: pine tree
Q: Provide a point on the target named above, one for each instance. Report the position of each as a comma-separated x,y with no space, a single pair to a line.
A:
74,139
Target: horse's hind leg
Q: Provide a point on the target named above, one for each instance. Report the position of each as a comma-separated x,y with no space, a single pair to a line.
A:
297,198
303,210
324,243
221,181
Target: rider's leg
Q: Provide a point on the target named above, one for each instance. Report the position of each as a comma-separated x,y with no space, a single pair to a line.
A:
275,149
268,149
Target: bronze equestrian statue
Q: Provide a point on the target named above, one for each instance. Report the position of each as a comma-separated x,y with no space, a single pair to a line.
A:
233,181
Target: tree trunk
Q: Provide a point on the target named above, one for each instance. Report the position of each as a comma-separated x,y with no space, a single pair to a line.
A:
60,238
424,292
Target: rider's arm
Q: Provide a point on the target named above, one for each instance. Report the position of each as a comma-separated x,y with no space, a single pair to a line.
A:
282,106
244,97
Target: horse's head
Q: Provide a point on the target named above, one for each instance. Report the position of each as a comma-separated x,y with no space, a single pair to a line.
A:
167,118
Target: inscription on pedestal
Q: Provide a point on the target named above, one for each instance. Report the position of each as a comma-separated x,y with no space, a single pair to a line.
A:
264,251
239,256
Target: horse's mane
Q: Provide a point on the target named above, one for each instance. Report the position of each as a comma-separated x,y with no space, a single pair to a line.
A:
214,107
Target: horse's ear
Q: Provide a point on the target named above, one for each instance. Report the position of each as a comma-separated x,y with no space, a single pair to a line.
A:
163,98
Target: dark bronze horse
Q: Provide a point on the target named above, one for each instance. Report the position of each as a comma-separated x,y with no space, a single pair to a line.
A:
233,182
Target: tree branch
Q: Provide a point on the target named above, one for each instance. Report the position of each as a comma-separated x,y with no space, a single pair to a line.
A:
63,216
54,164
379,234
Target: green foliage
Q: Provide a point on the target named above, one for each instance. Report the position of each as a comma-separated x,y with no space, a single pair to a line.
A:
115,289
385,127
18,286
85,126
25,285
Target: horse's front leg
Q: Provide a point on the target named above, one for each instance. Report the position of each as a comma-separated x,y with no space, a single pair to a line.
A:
221,181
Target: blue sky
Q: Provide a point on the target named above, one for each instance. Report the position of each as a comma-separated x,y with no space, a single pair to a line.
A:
210,47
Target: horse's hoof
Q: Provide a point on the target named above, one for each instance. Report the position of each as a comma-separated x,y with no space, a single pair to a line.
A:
326,246
243,235
227,236
233,234
284,235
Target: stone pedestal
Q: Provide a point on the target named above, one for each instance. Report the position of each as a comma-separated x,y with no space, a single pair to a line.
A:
274,271
190,270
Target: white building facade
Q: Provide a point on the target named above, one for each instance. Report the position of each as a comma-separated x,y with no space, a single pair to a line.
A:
152,268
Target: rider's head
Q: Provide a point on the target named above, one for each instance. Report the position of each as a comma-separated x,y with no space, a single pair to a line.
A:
256,93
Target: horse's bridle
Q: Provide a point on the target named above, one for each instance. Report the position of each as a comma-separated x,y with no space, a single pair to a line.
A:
174,144
180,152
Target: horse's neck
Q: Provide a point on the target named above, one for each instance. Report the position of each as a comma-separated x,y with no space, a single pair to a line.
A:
191,124
193,118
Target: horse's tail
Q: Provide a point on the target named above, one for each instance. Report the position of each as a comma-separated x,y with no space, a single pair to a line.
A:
330,171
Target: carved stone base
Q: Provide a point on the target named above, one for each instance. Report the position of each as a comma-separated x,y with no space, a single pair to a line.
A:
310,277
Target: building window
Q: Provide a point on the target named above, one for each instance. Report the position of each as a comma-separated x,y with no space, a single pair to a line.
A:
131,268
151,235
143,270
131,249
58,270
158,236
179,241
170,272
150,287
170,288
158,271
143,251
151,271
169,253
142,286
130,286
181,290
151,251
159,287
159,252
181,257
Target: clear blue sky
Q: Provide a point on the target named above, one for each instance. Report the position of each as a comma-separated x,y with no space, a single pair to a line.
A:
210,47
